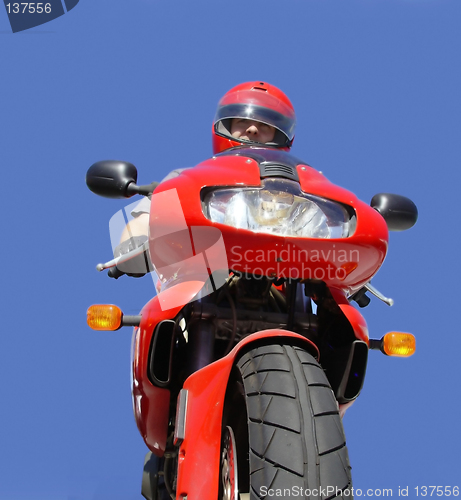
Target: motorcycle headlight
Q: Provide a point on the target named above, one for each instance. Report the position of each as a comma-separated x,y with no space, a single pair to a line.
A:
279,207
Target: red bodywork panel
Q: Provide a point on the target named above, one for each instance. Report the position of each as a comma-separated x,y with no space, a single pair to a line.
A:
343,263
150,403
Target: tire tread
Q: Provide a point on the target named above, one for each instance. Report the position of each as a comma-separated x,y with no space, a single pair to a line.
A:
295,431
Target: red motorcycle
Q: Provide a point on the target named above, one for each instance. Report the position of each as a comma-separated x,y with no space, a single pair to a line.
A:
244,363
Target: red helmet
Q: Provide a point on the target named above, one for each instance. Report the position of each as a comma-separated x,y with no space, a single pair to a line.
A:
257,101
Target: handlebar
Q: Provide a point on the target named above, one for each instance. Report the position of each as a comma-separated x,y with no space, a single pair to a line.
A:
123,258
112,265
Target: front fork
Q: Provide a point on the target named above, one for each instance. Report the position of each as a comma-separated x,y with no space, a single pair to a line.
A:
201,338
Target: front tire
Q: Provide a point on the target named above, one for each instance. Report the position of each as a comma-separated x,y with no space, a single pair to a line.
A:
295,443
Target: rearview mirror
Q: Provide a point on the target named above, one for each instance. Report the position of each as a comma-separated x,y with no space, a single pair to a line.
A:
112,178
399,212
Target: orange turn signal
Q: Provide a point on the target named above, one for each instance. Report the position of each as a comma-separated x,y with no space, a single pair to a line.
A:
104,317
399,344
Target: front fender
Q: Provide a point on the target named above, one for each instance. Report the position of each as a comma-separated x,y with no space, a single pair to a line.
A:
199,454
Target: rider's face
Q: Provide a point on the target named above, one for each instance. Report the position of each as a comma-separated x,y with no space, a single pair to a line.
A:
251,130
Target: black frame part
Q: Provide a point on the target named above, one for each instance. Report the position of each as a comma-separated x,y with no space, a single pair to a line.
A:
342,356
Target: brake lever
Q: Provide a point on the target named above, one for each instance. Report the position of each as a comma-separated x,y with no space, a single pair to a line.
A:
379,295
123,258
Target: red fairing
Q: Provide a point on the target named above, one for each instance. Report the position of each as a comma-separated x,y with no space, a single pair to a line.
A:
344,263
150,403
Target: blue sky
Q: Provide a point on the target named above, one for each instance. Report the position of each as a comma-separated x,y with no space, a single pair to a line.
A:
376,87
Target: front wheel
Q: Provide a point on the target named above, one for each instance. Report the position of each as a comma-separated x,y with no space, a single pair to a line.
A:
290,441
